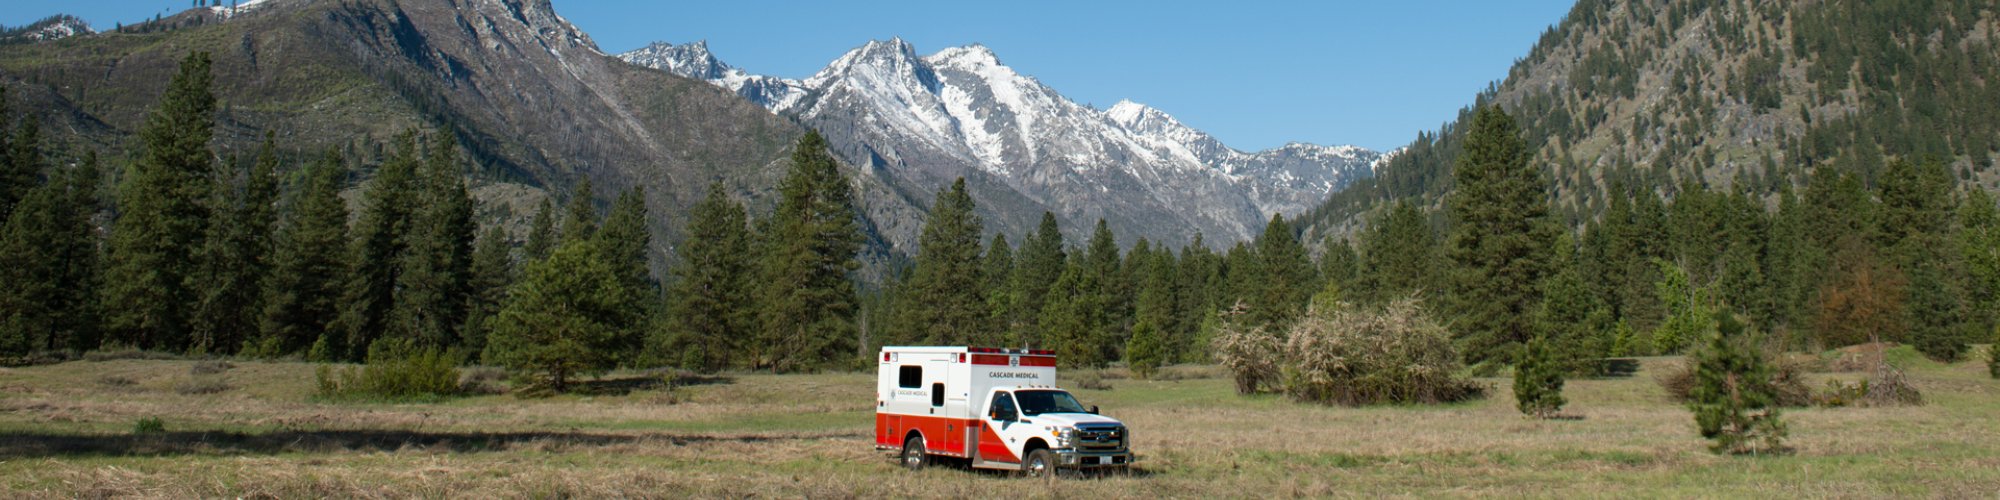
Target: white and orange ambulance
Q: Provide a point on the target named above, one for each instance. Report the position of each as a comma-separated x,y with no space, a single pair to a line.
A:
997,408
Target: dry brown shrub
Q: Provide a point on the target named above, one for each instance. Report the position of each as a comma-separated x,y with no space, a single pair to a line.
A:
1250,355
482,380
1888,387
1395,354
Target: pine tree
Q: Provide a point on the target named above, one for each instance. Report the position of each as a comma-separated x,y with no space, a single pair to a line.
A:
162,217
1979,247
1286,278
1399,255
1538,380
49,262
580,216
541,234
1072,316
15,179
943,300
236,252
711,317
1041,261
21,161
492,274
997,269
433,286
1500,210
1916,222
377,255
806,301
1340,265
1574,325
625,242
1690,314
1199,275
1108,289
1153,306
1146,351
308,266
562,320
1733,400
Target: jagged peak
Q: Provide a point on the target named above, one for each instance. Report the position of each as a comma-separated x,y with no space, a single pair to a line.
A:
974,55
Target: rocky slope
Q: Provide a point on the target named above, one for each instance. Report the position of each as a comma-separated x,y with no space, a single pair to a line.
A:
921,121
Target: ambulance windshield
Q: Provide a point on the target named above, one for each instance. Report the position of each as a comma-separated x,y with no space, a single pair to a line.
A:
1039,402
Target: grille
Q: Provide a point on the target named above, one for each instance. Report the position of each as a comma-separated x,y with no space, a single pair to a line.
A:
1110,437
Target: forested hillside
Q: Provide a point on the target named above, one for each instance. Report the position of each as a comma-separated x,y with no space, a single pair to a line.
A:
1743,95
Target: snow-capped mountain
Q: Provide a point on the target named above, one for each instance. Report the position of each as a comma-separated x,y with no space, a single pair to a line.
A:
925,120
51,28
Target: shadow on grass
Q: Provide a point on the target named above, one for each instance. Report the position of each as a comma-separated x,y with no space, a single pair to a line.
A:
18,445
619,386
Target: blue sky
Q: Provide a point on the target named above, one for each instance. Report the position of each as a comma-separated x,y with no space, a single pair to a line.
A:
1256,74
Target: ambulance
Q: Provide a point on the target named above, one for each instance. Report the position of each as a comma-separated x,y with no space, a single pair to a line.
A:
995,408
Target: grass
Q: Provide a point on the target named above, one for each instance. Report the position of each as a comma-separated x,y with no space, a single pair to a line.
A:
67,430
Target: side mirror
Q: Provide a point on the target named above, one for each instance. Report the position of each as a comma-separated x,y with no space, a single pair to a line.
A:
1093,409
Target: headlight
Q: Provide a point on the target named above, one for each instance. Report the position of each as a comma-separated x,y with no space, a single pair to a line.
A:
1064,436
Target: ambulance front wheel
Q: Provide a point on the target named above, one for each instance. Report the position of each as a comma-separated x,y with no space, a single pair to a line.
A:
1040,463
914,456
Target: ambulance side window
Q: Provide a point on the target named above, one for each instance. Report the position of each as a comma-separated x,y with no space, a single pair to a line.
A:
1003,407
910,377
937,394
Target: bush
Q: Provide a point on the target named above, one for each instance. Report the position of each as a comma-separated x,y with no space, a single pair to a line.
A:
1538,381
1734,397
1788,379
149,425
1251,356
1888,387
1091,380
482,380
395,370
1394,354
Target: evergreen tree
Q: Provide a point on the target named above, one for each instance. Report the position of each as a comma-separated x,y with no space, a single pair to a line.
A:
1689,312
1783,263
806,301
1538,380
21,160
1979,247
1734,400
1041,261
580,216
15,179
236,252
162,217
1575,324
1199,277
943,300
711,317
1341,265
308,270
1285,277
1072,316
377,255
1153,306
562,320
1499,205
1399,255
541,234
433,286
1146,351
997,269
1107,289
1916,223
625,242
49,262
492,274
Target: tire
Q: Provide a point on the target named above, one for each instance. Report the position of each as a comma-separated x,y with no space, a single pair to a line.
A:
1040,463
914,457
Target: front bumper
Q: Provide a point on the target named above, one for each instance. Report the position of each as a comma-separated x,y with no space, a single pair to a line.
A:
1093,459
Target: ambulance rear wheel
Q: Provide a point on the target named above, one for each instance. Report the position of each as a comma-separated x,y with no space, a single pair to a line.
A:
1040,463
914,456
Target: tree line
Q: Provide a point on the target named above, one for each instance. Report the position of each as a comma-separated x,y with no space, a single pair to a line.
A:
191,254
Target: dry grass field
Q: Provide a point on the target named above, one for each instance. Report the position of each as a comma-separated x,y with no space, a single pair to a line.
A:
254,430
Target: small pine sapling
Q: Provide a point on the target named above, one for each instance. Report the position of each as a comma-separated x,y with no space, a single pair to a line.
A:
1538,381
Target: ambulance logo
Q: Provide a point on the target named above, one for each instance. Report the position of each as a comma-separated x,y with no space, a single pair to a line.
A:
1014,360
